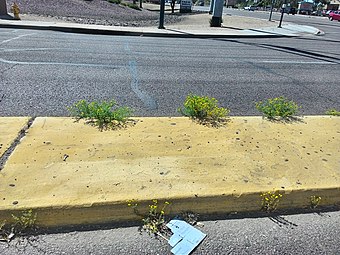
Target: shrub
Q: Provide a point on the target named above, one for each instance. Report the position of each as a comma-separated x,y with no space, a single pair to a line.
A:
203,109
132,6
333,112
277,107
103,114
115,1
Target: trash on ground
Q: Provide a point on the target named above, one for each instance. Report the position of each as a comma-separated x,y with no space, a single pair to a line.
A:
185,237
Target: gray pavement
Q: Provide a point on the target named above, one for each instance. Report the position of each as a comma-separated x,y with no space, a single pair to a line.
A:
196,26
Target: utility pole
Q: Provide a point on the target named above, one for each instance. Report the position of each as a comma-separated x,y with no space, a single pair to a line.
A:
3,7
216,19
161,15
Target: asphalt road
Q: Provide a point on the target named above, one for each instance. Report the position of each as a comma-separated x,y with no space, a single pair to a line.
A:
43,72
304,234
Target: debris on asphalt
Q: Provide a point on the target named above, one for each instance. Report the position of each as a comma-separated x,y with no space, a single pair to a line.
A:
185,237
65,157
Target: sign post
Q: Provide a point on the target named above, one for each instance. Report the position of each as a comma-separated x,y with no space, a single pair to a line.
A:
282,12
3,7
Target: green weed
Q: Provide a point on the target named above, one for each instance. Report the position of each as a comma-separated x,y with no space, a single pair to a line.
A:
270,200
154,222
314,201
333,112
115,1
132,6
203,109
24,221
104,114
22,224
277,107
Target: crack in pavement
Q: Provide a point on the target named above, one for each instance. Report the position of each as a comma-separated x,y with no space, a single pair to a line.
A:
22,133
149,102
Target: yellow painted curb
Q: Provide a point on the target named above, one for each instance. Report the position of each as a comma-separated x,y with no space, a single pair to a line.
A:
9,130
71,173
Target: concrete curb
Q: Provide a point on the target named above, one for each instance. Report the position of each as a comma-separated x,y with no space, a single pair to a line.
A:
164,33
196,168
210,207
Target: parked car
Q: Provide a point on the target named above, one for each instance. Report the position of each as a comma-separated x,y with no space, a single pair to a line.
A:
329,12
317,13
250,8
334,15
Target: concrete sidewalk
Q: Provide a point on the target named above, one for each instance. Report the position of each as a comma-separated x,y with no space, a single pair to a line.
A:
194,26
71,173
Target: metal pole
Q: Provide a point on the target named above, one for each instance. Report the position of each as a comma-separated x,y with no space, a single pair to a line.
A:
212,2
271,11
3,7
161,15
282,12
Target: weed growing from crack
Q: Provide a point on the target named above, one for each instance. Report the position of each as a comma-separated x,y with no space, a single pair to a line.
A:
22,224
314,201
270,200
279,107
333,112
103,114
204,109
154,222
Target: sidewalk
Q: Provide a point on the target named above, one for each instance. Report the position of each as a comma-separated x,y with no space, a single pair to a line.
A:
196,26
71,173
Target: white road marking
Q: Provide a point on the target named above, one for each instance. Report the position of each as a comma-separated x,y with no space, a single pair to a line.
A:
57,63
15,38
28,49
297,62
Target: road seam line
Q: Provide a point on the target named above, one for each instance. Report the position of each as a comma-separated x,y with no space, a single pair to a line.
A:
15,143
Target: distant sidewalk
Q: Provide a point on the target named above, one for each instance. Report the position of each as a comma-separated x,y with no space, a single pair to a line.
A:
193,25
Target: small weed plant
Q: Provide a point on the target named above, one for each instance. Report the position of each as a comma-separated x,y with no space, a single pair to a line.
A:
333,112
22,224
314,201
279,107
270,200
103,114
203,109
154,222
24,221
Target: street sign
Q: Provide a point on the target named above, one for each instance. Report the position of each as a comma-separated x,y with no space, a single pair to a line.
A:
185,6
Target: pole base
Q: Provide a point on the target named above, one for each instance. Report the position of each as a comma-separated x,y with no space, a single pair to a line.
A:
216,22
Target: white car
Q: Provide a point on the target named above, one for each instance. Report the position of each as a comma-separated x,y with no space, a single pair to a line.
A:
250,8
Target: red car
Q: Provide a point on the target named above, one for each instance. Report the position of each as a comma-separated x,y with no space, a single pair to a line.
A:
334,15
